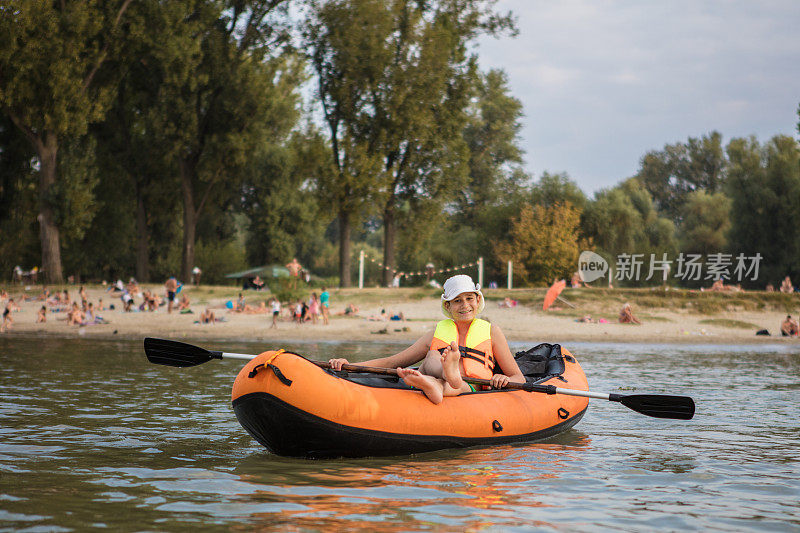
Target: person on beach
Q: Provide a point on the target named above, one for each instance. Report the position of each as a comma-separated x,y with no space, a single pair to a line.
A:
127,301
196,272
789,327
508,303
717,286
382,317
325,304
183,304
8,320
75,315
275,304
41,315
350,309
172,289
461,345
12,306
297,312
255,310
313,308
208,317
626,315
294,271
786,285
133,287
89,316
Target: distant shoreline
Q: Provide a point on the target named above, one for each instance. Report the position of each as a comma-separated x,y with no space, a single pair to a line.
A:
735,321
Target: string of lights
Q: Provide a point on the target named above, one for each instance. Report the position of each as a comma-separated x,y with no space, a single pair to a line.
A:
422,272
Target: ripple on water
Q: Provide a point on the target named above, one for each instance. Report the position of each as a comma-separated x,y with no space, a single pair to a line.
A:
155,448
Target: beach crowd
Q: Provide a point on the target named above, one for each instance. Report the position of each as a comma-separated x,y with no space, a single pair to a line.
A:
79,310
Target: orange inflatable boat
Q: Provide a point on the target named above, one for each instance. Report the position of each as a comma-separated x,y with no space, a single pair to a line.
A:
295,408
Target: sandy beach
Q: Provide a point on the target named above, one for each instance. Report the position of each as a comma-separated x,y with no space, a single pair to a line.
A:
525,323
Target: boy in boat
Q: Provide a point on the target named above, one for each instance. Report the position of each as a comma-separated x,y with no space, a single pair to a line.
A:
462,345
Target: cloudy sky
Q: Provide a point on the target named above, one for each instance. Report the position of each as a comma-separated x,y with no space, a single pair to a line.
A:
603,82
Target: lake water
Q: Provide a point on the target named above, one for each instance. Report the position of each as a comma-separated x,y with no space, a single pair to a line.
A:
93,436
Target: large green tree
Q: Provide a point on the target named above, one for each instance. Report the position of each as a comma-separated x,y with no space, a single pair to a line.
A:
17,201
394,94
764,186
705,221
52,87
233,89
284,219
133,140
669,175
491,132
543,243
550,189
623,220
497,185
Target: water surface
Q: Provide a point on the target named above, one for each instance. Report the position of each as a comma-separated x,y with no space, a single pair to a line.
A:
93,436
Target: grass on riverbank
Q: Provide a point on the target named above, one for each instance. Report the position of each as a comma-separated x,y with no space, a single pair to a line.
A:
728,323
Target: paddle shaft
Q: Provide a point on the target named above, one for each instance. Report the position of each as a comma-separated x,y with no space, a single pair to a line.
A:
655,405
180,354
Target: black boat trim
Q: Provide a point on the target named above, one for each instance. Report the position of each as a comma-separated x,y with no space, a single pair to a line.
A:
287,430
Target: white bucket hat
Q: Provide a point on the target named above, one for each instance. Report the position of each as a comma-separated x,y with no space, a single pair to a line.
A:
459,285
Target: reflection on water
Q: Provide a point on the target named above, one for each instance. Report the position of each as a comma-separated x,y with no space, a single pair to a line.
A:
94,436
481,484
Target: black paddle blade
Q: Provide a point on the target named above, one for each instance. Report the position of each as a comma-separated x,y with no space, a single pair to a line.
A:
659,406
174,353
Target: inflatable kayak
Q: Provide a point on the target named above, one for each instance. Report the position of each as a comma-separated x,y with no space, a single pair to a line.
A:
295,408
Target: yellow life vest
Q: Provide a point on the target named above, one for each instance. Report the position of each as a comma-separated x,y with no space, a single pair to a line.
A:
477,359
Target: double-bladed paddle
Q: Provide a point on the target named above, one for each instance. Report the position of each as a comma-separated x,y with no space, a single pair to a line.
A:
181,354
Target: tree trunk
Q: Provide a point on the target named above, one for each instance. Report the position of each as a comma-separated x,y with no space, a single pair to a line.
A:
142,252
49,234
344,249
389,233
189,220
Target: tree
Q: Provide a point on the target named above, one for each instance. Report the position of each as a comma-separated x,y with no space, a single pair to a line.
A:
394,95
764,186
624,220
284,219
133,138
496,188
234,90
557,188
671,174
491,134
52,88
17,201
705,221
544,242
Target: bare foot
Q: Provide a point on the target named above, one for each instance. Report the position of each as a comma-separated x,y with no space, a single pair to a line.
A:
429,385
450,367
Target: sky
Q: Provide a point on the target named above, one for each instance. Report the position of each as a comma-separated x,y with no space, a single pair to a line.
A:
602,82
